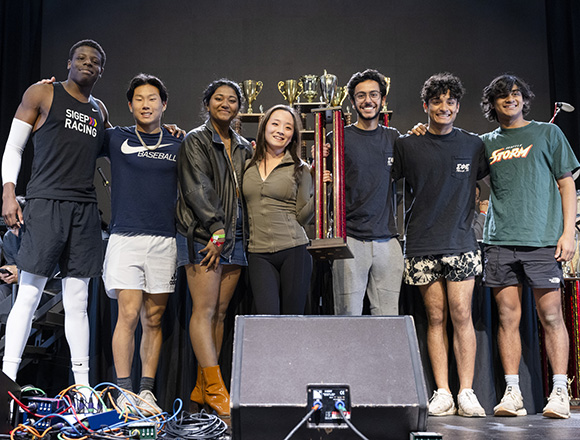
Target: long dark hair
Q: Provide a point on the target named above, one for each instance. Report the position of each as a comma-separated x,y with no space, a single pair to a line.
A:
292,147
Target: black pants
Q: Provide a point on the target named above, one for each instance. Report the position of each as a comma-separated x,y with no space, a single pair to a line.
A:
280,280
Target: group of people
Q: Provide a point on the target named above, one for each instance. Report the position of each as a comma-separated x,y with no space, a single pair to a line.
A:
214,203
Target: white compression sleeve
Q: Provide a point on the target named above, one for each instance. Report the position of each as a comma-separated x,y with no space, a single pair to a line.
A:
19,320
12,159
75,295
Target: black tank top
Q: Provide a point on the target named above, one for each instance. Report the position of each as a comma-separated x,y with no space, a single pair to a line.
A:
66,149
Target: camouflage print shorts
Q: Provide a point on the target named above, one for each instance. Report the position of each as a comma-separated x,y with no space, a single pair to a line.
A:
426,269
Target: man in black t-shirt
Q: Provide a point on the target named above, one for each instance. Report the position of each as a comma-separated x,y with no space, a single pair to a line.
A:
377,267
442,257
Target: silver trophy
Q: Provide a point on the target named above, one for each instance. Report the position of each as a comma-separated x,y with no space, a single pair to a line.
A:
328,86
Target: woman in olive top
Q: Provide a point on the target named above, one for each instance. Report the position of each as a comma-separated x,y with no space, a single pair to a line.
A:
277,188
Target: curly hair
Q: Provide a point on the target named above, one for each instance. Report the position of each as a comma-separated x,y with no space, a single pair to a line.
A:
369,74
501,87
439,84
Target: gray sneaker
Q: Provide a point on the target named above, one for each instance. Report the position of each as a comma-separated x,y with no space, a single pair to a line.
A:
511,404
148,403
468,405
558,406
441,404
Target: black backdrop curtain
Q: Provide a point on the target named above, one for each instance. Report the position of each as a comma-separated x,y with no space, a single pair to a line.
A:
563,24
20,51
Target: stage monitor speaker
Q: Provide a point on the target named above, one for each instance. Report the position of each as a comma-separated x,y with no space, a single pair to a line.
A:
6,384
277,357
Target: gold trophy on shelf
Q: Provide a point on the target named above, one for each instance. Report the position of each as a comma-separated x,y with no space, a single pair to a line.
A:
339,97
251,91
291,90
310,83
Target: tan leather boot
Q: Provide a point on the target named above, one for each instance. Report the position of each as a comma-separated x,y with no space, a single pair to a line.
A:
196,396
215,393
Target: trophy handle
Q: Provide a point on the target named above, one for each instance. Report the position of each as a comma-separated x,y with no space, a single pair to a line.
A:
280,86
301,87
259,85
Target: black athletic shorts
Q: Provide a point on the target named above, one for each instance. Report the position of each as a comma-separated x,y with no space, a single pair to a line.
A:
510,265
64,233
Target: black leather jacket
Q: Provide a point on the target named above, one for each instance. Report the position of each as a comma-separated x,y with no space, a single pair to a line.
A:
207,184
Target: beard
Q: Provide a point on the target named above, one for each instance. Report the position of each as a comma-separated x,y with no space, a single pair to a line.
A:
367,118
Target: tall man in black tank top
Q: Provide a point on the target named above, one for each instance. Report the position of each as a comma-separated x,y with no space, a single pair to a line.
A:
60,224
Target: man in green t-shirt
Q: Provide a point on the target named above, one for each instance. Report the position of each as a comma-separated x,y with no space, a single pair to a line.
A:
528,233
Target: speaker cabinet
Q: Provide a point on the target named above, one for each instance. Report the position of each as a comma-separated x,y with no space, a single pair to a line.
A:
277,357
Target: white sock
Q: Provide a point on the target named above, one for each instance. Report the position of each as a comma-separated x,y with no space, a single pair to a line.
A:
75,294
560,381
19,321
513,380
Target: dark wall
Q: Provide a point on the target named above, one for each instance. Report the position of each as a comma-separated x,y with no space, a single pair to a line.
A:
189,43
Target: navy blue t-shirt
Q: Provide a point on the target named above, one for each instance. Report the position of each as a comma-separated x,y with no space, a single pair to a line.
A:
143,182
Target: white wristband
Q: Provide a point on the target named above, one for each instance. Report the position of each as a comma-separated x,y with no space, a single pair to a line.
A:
12,159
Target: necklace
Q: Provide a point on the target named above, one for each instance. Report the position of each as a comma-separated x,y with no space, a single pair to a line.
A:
154,147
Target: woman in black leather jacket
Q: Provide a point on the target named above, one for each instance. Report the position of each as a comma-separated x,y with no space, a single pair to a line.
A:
210,215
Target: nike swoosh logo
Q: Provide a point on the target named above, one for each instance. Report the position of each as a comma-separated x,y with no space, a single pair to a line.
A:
94,109
128,149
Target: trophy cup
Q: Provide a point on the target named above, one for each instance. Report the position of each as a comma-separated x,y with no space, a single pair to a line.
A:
328,87
330,241
339,97
251,91
290,89
310,83
384,109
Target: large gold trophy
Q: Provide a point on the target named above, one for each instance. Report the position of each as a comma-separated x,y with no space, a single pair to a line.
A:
330,241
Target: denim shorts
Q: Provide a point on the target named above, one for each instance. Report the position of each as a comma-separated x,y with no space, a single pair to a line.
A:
238,256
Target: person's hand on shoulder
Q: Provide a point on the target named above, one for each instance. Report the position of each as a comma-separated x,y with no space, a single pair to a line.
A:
418,130
175,130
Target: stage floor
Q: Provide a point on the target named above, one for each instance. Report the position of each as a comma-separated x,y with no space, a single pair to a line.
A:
530,427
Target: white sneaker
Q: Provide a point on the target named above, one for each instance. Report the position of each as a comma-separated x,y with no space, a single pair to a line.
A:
558,406
468,405
441,404
125,403
148,403
511,404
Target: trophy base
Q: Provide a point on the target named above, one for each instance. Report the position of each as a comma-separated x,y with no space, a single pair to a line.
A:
329,249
